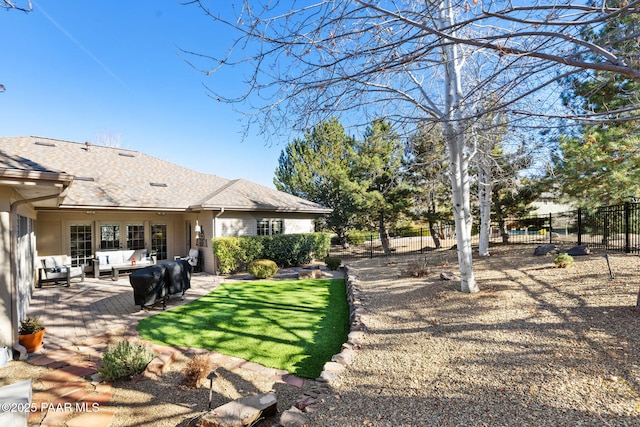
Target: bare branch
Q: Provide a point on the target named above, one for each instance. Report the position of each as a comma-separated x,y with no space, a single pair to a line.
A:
7,4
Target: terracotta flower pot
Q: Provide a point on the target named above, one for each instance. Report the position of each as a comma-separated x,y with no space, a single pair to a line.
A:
32,342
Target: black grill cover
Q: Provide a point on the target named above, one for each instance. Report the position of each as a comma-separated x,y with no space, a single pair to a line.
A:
178,276
157,282
149,284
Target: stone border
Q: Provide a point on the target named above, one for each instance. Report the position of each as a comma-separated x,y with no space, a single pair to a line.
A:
309,402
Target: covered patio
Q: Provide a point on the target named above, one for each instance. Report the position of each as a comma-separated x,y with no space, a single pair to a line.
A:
93,307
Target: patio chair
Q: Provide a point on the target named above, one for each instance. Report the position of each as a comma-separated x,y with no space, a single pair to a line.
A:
193,259
58,269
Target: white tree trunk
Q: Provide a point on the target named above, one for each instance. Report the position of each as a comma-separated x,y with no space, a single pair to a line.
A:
454,133
484,198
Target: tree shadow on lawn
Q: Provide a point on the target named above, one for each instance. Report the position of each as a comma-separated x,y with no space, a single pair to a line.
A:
283,327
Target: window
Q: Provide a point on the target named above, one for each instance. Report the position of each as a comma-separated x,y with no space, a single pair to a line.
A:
267,227
159,240
109,236
276,226
263,227
135,236
81,250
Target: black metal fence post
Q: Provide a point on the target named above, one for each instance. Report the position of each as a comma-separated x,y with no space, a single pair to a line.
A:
371,246
579,226
627,228
550,228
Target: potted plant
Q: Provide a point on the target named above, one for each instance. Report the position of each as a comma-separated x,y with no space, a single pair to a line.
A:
31,334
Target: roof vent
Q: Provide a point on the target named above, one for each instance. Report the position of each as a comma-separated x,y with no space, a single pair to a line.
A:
157,184
45,144
126,155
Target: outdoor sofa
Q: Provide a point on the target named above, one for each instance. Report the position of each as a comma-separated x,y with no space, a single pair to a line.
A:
124,259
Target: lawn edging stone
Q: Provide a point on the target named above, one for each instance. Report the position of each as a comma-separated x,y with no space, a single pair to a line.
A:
309,402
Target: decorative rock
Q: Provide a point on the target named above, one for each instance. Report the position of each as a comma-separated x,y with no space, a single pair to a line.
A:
579,250
310,274
447,275
241,412
293,418
334,367
326,377
545,249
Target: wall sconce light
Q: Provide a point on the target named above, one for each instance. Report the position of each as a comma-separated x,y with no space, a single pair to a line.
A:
197,228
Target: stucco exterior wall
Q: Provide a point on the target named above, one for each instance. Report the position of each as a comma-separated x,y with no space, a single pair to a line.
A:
23,277
5,270
53,229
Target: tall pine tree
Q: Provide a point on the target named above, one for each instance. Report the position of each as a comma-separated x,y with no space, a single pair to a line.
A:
602,164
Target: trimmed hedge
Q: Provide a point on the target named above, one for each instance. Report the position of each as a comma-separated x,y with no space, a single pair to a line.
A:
286,250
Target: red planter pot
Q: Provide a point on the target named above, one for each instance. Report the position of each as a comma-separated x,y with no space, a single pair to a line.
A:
32,342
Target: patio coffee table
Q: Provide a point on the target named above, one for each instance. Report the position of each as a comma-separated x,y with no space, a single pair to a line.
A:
116,269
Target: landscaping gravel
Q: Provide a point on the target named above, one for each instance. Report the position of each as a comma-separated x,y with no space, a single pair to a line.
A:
537,346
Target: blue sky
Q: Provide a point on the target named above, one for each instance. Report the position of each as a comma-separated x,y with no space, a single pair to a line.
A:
82,71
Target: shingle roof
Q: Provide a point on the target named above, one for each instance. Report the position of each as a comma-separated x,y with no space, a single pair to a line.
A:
108,177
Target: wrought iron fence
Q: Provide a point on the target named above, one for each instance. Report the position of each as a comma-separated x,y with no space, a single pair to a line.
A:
614,228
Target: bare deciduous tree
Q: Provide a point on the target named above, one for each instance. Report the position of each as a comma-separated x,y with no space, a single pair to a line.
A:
407,62
25,6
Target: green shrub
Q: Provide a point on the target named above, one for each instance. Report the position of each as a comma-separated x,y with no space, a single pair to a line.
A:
407,231
321,245
228,253
333,263
357,237
235,253
289,249
563,260
125,359
262,268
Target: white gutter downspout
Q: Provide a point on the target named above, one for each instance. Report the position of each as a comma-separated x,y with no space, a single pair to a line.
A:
15,322
215,217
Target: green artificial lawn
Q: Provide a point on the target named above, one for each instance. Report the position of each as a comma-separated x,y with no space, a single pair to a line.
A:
295,325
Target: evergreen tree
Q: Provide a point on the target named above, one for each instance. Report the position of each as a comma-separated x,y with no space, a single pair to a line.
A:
427,172
380,171
602,165
319,167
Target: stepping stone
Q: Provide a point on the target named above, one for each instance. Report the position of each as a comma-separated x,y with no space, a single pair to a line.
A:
241,412
101,418
55,417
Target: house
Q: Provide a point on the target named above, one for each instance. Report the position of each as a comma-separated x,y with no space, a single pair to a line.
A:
547,203
61,197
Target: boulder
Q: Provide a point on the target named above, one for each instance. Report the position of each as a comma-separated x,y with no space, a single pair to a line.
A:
293,418
241,412
448,275
546,249
579,250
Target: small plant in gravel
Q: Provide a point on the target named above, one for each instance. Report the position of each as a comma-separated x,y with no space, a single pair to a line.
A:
563,260
418,268
333,263
125,359
197,370
262,268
